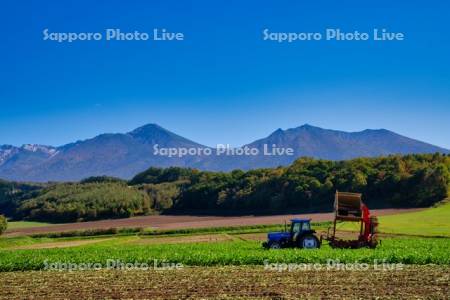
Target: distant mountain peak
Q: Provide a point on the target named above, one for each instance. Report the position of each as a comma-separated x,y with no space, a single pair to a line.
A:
154,134
151,133
306,127
5,147
6,152
378,130
36,148
151,127
279,131
126,154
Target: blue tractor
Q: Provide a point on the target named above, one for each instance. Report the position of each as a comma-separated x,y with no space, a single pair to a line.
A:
300,235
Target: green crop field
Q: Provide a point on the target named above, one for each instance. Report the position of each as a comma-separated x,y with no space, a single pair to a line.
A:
223,254
26,224
25,253
232,246
432,222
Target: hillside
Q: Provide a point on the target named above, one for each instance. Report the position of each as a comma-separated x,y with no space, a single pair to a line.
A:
433,221
306,186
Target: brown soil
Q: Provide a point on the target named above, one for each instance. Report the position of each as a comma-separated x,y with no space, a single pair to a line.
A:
179,221
204,238
252,236
412,282
64,244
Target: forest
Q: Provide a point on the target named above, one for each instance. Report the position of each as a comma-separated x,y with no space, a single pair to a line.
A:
308,185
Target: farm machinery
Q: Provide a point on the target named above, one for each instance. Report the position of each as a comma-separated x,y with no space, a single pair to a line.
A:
299,235
348,207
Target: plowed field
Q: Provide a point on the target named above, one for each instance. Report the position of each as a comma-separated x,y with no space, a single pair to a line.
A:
413,282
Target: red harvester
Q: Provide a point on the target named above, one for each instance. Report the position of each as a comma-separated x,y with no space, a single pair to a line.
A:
348,207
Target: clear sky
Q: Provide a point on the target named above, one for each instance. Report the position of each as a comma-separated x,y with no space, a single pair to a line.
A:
223,83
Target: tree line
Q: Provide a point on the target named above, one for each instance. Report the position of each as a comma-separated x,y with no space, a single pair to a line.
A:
308,185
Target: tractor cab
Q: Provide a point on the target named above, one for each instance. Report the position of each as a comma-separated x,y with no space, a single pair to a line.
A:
298,235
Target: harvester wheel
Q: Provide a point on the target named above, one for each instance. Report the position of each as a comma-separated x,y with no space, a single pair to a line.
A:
373,243
309,242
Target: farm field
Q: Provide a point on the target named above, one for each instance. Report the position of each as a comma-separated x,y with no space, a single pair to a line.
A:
227,263
230,282
26,224
176,222
433,221
218,249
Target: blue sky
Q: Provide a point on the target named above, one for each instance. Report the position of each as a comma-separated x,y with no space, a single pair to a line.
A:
223,83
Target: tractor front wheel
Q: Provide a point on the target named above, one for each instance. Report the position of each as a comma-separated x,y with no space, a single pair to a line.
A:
309,242
275,245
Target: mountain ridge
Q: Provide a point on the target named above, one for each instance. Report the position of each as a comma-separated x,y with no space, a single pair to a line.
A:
125,154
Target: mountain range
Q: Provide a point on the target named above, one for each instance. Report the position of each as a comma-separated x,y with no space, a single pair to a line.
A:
126,154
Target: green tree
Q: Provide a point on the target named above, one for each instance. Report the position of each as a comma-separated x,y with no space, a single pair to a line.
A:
3,224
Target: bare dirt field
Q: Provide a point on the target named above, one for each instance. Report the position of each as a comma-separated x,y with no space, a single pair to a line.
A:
202,238
412,282
64,244
180,221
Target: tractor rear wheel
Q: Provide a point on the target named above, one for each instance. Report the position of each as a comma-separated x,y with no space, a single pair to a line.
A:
309,242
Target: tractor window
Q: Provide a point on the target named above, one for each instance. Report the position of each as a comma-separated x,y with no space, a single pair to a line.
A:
296,227
305,226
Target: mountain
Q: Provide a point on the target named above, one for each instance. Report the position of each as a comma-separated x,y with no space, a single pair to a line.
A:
329,144
120,155
317,142
125,154
15,162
